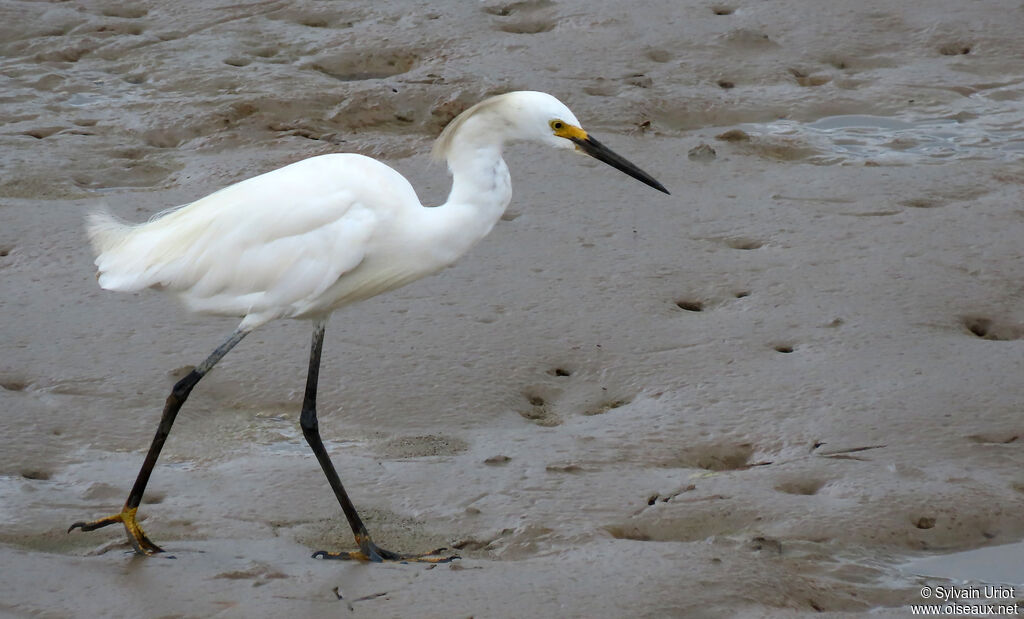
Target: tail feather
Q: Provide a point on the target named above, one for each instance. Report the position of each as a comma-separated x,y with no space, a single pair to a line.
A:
105,231
132,257
118,260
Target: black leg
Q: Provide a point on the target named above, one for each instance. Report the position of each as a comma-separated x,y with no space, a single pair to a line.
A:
174,402
311,430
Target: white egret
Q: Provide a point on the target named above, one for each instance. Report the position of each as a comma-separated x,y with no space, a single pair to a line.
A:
311,237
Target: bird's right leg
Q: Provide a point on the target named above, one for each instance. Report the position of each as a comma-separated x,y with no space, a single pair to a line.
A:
175,400
368,550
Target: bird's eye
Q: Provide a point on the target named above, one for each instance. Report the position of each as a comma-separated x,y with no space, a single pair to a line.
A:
557,125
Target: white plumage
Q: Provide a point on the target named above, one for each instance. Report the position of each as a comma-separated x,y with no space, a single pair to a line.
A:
273,246
313,236
304,240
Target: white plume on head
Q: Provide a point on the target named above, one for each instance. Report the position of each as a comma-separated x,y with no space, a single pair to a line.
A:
521,114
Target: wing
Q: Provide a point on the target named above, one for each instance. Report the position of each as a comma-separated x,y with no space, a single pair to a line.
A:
260,246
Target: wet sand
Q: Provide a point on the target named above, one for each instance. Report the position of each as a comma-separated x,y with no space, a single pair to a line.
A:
762,395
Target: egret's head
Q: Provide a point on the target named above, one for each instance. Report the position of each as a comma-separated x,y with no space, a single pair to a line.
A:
537,117
564,131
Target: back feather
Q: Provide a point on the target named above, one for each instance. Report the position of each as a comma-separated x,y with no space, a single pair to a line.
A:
270,245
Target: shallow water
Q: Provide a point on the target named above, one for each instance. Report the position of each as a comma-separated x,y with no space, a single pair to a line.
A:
983,129
994,565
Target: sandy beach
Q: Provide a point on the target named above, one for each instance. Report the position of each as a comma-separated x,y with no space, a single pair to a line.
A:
791,387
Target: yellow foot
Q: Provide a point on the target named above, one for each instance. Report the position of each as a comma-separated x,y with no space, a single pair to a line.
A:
136,535
371,552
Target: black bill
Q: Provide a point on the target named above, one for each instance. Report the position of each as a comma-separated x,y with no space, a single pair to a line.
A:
601,152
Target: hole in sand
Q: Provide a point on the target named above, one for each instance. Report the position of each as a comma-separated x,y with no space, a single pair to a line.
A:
741,294
988,329
978,326
726,460
744,243
805,487
313,21
605,407
723,10
733,135
560,372
728,457
659,55
631,533
12,384
529,26
539,412
784,348
810,80
921,203
690,306
995,438
526,6
761,543
127,12
726,84
36,474
42,132
955,49
925,522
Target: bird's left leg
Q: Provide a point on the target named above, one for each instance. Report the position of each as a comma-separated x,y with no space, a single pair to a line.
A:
142,544
368,551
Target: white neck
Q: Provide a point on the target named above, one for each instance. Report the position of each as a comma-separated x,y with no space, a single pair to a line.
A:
481,189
